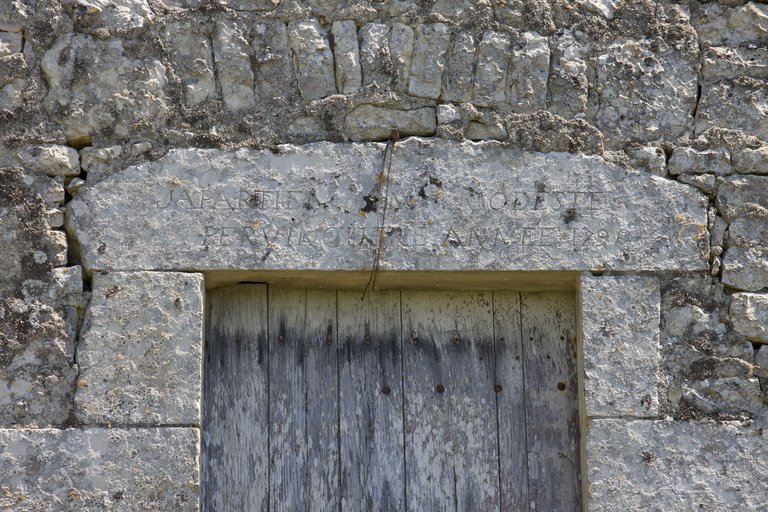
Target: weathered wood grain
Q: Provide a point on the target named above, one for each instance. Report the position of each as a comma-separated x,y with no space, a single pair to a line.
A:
235,444
303,409
551,400
510,401
450,405
371,402
428,401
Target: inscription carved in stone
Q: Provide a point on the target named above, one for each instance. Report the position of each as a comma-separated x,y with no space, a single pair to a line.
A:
450,206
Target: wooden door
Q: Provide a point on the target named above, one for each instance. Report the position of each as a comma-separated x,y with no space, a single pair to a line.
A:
420,401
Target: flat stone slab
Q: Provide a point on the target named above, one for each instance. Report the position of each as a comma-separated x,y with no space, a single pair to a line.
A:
99,469
620,319
675,465
140,353
452,206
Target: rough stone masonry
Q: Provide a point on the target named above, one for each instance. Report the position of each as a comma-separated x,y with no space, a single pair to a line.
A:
145,141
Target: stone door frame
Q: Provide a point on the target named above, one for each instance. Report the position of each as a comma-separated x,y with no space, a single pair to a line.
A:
617,329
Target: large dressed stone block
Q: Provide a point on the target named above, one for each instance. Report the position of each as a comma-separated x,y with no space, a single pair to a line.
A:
452,206
620,325
675,466
140,352
88,469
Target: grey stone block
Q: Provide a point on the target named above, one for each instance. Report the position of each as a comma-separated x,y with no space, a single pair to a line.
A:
346,56
314,60
738,195
140,353
620,319
428,61
91,469
675,466
453,206
749,314
369,122
231,53
711,161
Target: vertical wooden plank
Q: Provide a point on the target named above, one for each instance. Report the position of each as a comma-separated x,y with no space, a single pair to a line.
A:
235,444
371,402
450,405
303,410
510,400
549,358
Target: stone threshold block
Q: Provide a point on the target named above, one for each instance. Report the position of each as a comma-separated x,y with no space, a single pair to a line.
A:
140,353
675,466
143,469
620,326
451,206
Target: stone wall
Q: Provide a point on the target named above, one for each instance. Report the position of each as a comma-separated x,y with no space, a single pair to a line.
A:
100,351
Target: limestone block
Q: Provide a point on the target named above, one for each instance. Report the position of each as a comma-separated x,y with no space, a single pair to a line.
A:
738,104
54,217
620,318
10,43
100,162
313,57
723,63
273,69
675,465
315,207
461,10
16,14
140,351
749,315
703,182
11,94
729,396
57,248
719,25
745,262
528,73
187,4
651,158
751,161
604,8
346,56
116,15
368,122
482,131
233,65
119,93
447,114
99,469
491,69
428,62
375,56
568,83
52,159
738,196
647,91
192,56
401,40
459,68
688,160
251,5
